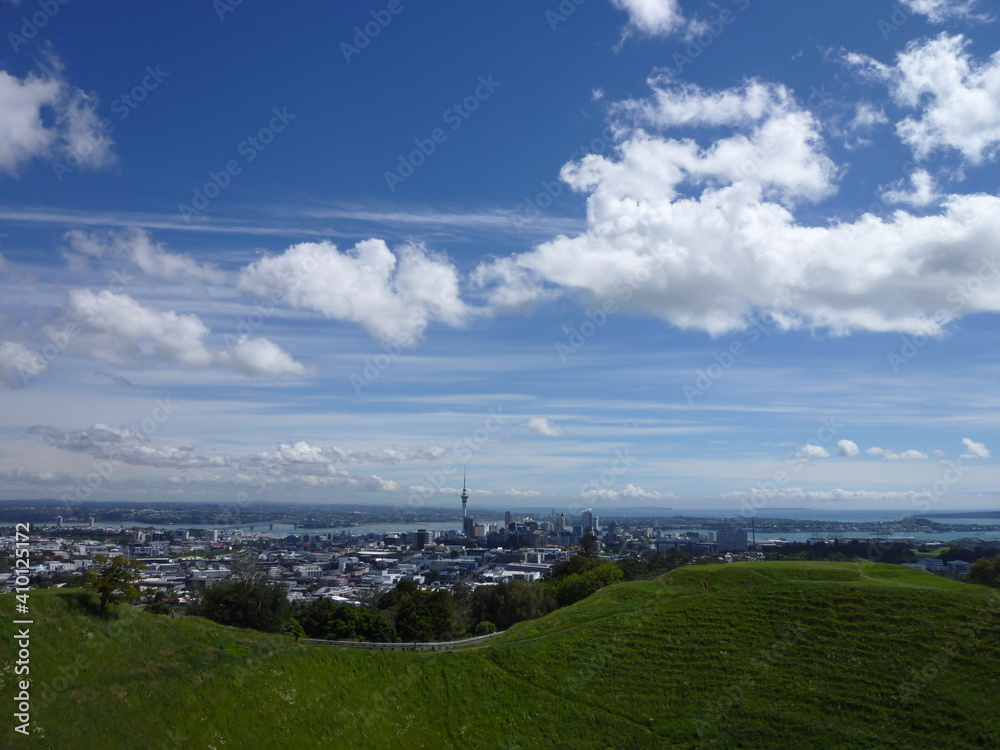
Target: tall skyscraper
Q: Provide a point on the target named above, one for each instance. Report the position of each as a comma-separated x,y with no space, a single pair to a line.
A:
588,520
465,497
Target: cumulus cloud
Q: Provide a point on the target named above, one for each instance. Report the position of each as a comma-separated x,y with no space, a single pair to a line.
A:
814,451
652,17
958,97
291,462
522,493
136,246
303,454
974,449
544,426
117,328
18,364
261,357
705,236
630,492
907,455
393,295
867,116
127,445
847,448
939,11
42,116
918,191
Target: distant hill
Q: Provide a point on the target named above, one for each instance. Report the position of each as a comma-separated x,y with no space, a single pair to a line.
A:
749,655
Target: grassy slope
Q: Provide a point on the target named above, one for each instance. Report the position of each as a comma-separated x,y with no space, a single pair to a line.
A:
762,655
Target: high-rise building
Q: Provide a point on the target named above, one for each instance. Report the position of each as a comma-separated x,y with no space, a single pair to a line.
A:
732,541
469,527
561,523
508,519
91,522
58,522
423,538
587,520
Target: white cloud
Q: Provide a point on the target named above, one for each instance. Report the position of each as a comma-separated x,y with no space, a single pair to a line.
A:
630,492
302,453
939,11
868,116
126,445
705,237
920,192
677,104
814,451
974,449
522,493
153,259
544,426
958,97
847,448
118,329
393,295
42,116
18,364
652,17
907,455
290,461
261,357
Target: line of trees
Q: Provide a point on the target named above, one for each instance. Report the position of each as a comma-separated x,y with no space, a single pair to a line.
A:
407,613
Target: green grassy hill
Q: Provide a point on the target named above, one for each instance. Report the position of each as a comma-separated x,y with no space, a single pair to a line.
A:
755,655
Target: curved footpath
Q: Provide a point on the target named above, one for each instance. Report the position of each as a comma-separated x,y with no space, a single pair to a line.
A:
430,646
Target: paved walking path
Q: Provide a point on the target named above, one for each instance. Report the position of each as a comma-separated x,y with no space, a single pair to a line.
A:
431,646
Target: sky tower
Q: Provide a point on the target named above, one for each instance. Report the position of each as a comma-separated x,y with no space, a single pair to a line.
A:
465,496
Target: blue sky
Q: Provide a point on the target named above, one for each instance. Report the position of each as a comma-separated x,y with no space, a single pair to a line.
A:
610,253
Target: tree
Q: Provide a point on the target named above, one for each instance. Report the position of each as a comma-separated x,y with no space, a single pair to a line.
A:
114,579
986,572
247,599
329,621
588,544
